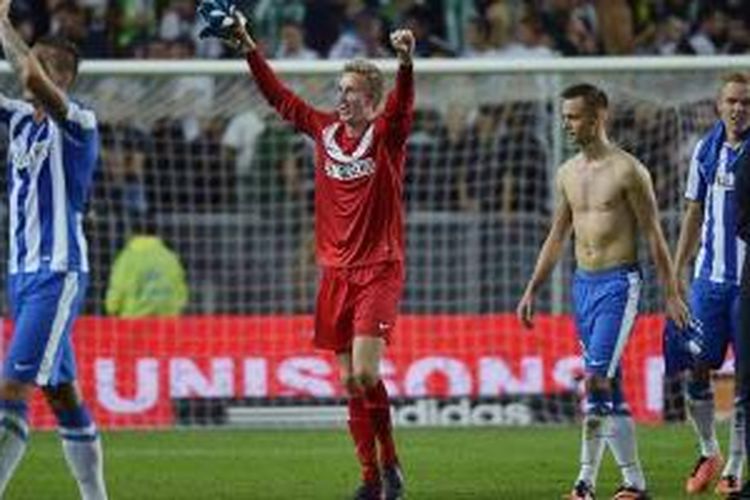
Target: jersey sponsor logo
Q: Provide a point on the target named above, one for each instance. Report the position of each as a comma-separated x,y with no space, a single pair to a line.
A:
352,170
37,153
724,180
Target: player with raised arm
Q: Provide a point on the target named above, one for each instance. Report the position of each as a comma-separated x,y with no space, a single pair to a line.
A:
359,230
606,198
53,150
709,223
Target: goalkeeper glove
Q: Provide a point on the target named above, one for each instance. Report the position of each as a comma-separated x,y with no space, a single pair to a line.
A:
220,17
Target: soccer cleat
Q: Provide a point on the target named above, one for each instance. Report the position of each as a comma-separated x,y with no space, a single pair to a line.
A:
742,494
368,491
705,471
393,483
581,491
727,485
630,493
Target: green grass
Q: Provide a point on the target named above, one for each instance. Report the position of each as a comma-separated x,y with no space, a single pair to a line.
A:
491,463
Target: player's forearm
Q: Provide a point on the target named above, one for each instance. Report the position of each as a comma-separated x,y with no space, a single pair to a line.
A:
400,102
30,72
687,243
405,60
16,51
546,262
405,85
283,100
663,263
268,83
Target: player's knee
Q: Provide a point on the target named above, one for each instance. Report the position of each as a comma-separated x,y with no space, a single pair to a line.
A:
699,389
699,375
62,397
366,377
598,383
15,390
598,395
349,383
592,425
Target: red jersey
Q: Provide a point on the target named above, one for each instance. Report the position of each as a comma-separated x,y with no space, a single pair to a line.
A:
359,217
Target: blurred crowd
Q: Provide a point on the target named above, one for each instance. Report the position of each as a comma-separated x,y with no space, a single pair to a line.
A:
313,29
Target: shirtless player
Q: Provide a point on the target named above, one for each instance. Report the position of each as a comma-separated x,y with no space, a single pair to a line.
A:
605,196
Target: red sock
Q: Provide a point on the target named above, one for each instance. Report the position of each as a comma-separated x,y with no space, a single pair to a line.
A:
364,439
376,401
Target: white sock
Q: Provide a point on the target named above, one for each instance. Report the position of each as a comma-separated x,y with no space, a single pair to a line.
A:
593,440
85,460
14,432
701,413
736,457
622,442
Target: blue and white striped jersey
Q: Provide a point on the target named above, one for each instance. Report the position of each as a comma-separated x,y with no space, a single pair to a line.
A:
721,252
50,170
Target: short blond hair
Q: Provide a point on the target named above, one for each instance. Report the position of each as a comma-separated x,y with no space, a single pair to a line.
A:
740,77
372,75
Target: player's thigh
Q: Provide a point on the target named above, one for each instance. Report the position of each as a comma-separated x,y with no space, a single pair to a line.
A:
333,312
580,291
42,329
377,300
712,305
37,307
610,332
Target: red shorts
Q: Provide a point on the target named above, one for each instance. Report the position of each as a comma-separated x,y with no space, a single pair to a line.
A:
360,301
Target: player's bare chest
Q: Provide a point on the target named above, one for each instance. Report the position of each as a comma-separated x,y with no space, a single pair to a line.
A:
593,189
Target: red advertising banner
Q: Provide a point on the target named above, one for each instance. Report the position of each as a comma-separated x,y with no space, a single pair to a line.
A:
132,370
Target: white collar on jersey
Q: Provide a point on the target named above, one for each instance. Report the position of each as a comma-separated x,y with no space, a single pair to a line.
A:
333,149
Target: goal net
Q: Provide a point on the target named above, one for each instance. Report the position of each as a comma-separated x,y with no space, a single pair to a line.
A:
230,189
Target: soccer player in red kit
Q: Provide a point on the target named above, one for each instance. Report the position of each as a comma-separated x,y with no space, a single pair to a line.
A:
359,232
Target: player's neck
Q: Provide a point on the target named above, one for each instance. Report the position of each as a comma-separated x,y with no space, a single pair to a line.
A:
735,138
596,148
355,129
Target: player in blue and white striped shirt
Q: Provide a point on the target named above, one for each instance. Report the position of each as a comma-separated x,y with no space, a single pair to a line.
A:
709,227
53,150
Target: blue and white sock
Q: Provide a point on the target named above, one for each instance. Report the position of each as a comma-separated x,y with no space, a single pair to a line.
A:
596,423
83,451
623,444
14,433
700,409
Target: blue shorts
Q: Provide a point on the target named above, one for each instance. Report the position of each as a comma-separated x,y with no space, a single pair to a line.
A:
44,306
606,305
716,306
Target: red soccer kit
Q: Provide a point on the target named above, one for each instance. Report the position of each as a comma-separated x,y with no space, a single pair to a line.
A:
359,226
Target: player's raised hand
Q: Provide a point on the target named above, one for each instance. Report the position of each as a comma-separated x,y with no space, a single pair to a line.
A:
223,20
403,42
525,310
243,40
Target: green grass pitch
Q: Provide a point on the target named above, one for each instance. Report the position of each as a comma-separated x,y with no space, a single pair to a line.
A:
486,463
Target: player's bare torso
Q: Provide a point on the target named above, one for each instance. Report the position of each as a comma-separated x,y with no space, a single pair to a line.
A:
604,225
